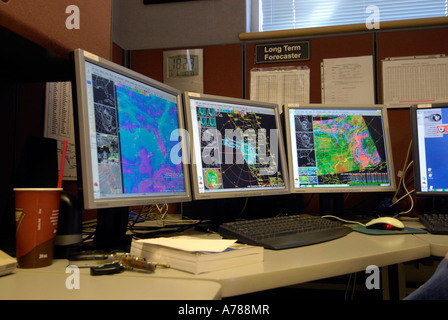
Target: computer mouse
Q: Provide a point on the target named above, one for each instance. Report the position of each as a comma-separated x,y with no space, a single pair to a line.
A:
385,223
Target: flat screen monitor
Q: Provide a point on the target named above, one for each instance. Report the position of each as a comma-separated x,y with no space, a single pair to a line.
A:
430,148
335,149
237,147
129,147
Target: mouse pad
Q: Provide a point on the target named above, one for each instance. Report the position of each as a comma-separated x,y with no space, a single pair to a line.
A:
406,230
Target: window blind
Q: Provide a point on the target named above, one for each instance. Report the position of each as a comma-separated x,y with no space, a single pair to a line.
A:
296,14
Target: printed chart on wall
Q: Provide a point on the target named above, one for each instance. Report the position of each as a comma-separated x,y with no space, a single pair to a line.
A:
59,123
348,80
287,85
416,79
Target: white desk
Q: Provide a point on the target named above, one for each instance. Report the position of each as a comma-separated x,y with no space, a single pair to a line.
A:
351,253
49,283
438,244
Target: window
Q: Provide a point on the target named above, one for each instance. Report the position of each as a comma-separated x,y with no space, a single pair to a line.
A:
270,15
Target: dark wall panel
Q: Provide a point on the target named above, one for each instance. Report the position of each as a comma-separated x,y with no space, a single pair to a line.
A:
222,68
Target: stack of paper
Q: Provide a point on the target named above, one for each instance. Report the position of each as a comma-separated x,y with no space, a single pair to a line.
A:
7,264
197,255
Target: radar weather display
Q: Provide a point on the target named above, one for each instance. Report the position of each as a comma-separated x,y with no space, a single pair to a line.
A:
133,131
238,148
340,149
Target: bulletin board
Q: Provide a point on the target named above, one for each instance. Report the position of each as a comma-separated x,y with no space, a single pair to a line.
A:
322,47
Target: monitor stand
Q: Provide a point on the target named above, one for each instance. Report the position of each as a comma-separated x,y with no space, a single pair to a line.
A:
111,229
331,204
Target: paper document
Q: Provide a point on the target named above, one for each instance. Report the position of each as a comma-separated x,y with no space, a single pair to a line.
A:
348,80
191,244
415,79
280,85
59,123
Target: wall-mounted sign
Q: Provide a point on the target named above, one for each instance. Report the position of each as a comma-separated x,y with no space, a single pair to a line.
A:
282,52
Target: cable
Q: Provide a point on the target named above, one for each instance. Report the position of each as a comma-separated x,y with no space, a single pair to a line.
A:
244,207
405,165
347,221
348,285
402,197
408,193
402,183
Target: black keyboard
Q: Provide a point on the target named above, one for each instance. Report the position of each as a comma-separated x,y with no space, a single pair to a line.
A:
435,223
284,232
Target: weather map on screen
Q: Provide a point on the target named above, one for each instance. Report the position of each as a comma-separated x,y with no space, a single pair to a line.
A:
133,129
337,148
145,147
236,150
343,144
237,147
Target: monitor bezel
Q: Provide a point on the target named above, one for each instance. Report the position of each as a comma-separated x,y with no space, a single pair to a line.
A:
357,189
233,194
416,148
80,109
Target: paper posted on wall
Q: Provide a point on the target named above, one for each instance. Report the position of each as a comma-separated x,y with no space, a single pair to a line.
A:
282,85
59,124
348,80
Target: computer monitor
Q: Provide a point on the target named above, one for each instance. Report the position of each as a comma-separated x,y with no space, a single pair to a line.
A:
430,149
338,149
128,147
237,147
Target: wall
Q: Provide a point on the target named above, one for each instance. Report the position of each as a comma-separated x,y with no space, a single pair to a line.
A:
180,24
23,99
322,47
223,68
402,43
227,72
44,22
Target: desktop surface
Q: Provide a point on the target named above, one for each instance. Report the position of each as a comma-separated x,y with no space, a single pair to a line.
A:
438,243
345,255
50,283
352,253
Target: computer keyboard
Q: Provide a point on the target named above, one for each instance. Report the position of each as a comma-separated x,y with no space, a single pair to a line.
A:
435,223
284,232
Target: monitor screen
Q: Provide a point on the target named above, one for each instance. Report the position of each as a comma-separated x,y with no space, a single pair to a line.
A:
127,125
236,146
430,148
338,149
